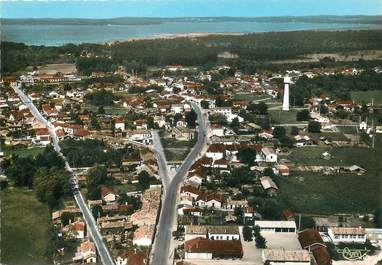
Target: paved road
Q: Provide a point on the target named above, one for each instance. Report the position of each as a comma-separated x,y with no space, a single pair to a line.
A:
92,229
161,158
161,251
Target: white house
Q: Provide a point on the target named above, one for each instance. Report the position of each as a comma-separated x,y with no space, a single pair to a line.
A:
108,195
86,253
347,234
140,136
276,226
217,130
119,124
286,257
228,232
267,154
176,108
216,151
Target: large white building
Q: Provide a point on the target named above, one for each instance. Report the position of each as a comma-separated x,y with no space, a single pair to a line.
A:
347,234
276,226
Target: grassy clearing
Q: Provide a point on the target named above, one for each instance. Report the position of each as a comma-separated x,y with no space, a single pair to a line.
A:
279,116
250,96
25,152
114,110
343,193
25,228
367,96
127,188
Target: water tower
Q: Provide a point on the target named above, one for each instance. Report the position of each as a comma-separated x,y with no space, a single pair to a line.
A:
287,81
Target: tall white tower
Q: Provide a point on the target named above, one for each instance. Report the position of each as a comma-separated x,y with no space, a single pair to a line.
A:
287,81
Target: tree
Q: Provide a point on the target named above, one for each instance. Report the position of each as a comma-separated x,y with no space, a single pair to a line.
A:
205,104
191,117
239,213
268,172
279,132
314,127
144,179
303,115
97,211
95,178
259,108
378,218
247,233
286,141
235,124
247,155
260,242
294,130
49,186
270,209
66,218
177,117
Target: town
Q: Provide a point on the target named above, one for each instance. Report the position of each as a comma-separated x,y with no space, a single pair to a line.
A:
231,168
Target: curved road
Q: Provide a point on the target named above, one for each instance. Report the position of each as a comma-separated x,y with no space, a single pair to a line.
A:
92,229
163,239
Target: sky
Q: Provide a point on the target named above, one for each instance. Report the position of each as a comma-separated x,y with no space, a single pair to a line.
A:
184,8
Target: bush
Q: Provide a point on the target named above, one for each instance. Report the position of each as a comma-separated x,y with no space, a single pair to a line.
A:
247,233
314,127
260,241
303,115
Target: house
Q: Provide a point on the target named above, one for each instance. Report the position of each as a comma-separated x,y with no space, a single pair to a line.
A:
276,226
282,170
347,234
269,186
217,130
209,200
108,195
86,253
231,204
191,191
218,232
195,231
268,155
80,229
285,257
140,136
143,236
216,151
310,239
119,124
135,257
42,136
205,249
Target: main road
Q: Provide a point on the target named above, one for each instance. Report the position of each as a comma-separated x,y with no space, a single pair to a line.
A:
161,251
92,229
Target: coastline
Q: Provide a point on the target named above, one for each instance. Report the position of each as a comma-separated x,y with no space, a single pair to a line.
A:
180,35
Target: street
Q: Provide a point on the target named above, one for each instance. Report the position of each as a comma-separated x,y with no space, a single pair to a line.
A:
92,229
163,239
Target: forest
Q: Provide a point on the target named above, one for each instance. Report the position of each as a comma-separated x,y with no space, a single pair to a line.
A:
252,49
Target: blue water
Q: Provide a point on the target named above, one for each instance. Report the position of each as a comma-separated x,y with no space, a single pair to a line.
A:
55,35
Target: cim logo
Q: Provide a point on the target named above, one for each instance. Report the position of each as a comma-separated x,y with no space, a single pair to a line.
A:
353,254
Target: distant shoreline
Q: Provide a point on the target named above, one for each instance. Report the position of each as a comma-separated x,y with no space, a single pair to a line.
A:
180,35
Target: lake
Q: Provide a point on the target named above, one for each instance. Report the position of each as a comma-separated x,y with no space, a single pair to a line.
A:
55,35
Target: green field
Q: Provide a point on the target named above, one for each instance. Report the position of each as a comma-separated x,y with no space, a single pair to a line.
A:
367,96
310,192
115,110
250,96
279,116
24,152
25,228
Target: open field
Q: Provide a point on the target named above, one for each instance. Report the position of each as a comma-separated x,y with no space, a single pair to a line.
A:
25,225
51,69
279,116
24,152
116,110
310,192
367,96
250,96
